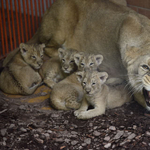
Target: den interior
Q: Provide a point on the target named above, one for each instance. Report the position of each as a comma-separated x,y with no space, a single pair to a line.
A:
29,122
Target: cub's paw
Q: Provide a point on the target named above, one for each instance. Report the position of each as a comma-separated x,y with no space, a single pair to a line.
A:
83,115
34,84
49,83
72,105
77,112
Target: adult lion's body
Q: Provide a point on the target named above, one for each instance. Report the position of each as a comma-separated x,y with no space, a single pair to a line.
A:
97,26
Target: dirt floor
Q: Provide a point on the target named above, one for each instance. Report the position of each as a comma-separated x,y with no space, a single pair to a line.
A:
29,123
26,125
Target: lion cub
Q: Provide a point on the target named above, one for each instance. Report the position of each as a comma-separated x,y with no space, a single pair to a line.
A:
57,68
98,94
20,75
68,93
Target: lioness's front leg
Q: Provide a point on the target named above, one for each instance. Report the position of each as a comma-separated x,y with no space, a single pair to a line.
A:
114,81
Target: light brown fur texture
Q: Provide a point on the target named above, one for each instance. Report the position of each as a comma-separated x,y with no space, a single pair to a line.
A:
20,75
100,26
98,95
57,68
68,93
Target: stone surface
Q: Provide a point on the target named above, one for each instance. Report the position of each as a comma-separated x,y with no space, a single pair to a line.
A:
31,128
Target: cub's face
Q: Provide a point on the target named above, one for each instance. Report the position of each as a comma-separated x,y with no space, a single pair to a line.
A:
32,54
91,81
88,61
67,60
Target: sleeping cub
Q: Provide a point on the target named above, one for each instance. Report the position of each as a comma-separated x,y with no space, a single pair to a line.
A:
57,68
68,93
98,94
20,75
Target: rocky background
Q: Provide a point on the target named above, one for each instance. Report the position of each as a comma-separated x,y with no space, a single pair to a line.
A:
25,127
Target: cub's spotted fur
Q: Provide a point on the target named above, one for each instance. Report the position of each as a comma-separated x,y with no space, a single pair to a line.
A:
98,94
20,75
86,61
68,93
57,68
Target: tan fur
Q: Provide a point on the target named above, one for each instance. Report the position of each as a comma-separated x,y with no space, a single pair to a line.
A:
98,95
20,75
88,61
57,68
120,2
100,27
68,93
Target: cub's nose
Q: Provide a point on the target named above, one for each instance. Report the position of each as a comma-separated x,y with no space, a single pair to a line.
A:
40,63
65,67
88,90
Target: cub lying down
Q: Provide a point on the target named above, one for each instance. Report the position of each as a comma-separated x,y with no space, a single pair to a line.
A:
20,75
57,68
68,93
98,94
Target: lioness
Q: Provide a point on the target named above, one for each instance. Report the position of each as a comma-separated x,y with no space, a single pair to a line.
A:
20,75
120,34
98,94
57,68
68,93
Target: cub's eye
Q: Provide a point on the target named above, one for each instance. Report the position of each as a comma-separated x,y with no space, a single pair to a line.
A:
63,60
145,67
82,64
84,83
93,83
41,56
72,61
24,50
33,57
91,64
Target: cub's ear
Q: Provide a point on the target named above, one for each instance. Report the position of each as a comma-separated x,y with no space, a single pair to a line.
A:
99,59
22,47
80,75
61,52
42,45
103,76
77,58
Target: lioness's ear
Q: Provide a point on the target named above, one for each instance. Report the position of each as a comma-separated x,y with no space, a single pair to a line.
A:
80,75
77,58
61,52
103,76
22,47
99,59
131,54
